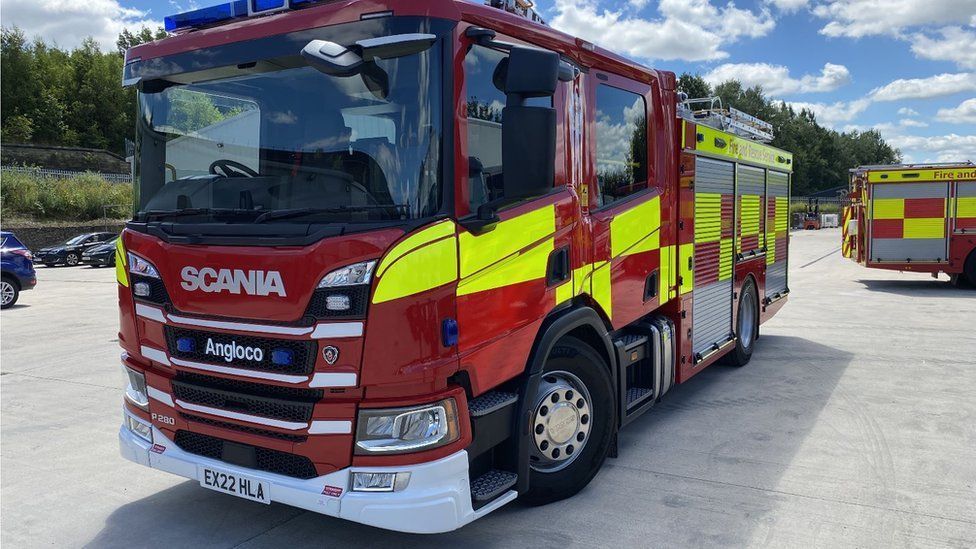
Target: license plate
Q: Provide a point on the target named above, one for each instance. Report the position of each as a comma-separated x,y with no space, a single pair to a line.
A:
235,485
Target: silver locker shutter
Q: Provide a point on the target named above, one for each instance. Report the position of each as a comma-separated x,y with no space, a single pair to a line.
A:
711,302
777,185
908,249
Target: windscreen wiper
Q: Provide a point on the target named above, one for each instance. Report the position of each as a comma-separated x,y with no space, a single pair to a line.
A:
156,215
298,212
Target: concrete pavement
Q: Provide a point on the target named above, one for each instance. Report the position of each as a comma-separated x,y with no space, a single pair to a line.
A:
853,426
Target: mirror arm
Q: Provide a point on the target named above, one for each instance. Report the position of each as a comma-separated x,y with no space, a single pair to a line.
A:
486,219
486,37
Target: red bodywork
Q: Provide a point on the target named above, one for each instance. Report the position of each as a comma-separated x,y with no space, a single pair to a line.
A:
400,358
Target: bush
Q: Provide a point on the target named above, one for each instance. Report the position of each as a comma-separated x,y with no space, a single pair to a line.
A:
79,198
825,208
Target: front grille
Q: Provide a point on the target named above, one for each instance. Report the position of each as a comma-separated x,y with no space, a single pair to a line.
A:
157,291
358,298
244,428
245,455
254,389
302,352
268,407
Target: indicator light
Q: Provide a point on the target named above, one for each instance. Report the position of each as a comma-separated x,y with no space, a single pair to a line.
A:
338,302
141,289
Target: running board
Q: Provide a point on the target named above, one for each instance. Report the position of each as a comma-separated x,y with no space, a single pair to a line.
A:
645,361
490,485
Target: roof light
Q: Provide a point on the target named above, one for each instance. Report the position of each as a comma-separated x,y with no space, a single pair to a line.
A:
206,16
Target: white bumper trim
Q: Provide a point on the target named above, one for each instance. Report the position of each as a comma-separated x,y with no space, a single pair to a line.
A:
436,500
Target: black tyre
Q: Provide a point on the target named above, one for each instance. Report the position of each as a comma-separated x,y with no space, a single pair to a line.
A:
9,293
573,422
747,325
969,269
49,265
72,259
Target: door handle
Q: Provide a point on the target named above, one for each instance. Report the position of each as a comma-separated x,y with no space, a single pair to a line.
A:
558,268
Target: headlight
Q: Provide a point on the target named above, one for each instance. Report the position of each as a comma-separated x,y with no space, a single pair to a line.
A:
140,266
402,430
139,428
135,388
350,275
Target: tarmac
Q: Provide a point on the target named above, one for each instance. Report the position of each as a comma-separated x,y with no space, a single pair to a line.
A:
853,426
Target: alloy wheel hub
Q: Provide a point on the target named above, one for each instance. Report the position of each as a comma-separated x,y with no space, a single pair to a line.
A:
561,424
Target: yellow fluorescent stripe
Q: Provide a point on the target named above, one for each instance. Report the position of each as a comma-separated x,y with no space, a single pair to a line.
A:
941,175
429,234
749,213
724,144
725,259
770,248
510,236
966,206
685,253
666,275
419,270
889,208
600,287
636,230
708,217
121,269
924,228
530,264
782,214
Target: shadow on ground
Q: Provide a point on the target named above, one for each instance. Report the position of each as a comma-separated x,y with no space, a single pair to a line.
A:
699,470
919,288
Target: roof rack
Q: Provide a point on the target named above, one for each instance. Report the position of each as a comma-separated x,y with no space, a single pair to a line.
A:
709,111
914,166
523,8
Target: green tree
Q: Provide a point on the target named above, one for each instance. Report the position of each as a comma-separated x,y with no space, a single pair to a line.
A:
694,85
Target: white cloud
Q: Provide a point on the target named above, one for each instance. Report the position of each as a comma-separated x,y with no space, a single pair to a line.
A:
912,123
68,23
690,30
905,111
857,18
965,113
776,79
956,45
834,113
789,6
925,88
937,148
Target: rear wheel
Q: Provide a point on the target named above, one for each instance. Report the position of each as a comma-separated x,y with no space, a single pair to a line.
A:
747,325
72,259
969,269
9,292
573,422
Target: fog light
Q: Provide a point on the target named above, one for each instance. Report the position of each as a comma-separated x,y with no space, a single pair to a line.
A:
141,430
185,344
379,482
338,302
141,289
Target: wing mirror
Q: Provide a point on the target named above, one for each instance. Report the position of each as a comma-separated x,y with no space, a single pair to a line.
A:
338,60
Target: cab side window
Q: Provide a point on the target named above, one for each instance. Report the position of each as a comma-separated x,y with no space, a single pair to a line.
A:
621,143
485,101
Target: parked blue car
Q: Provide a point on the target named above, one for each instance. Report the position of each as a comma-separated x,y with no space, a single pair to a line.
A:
17,269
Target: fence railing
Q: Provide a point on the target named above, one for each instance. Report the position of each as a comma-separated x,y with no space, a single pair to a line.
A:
66,174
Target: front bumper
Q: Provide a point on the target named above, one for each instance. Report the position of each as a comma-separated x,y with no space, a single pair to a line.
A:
437,498
50,259
101,259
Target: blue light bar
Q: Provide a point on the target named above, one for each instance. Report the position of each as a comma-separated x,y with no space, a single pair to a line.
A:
265,5
206,16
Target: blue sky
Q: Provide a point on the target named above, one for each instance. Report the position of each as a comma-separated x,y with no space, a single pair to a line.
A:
904,67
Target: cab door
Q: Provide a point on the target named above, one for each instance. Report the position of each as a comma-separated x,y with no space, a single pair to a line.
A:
624,205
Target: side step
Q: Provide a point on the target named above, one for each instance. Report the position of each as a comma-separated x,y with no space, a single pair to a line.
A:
645,358
491,485
490,402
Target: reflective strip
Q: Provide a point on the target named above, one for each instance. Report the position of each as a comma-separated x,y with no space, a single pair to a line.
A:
667,273
121,268
637,229
529,264
719,143
966,206
575,286
889,208
155,354
725,259
940,175
425,268
333,379
708,217
434,232
156,394
924,228
782,215
600,287
330,427
508,238
238,371
337,329
290,425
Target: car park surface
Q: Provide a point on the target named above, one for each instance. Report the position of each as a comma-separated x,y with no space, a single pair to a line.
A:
854,425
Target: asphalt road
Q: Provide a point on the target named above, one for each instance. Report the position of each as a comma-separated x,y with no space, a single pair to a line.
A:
853,426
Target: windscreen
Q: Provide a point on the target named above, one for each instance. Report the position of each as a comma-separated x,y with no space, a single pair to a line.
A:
275,139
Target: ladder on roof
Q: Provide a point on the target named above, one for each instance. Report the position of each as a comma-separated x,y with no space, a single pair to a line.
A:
709,111
524,8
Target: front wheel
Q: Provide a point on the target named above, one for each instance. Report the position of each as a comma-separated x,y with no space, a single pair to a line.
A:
72,259
573,422
969,269
8,293
747,325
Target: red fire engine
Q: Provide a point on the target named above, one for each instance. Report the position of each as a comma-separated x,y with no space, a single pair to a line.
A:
402,262
913,217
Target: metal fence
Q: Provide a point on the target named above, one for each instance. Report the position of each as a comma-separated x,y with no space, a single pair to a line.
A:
66,174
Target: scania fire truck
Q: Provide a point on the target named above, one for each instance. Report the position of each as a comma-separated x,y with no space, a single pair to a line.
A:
913,217
405,261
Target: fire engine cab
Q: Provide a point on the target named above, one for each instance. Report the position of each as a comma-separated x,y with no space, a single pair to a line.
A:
913,217
402,262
